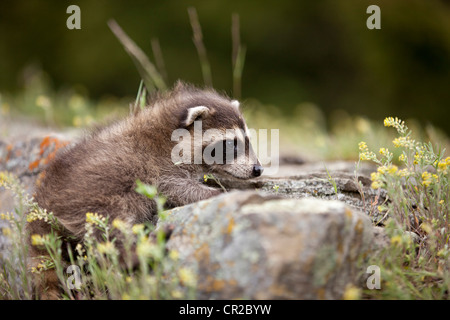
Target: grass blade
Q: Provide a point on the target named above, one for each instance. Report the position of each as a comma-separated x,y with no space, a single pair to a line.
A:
146,68
201,50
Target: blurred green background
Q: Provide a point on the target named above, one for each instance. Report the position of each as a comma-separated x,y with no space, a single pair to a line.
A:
314,53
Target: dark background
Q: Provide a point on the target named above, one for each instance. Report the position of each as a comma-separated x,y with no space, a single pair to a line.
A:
297,51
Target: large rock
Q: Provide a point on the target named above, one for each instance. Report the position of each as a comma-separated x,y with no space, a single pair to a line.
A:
257,246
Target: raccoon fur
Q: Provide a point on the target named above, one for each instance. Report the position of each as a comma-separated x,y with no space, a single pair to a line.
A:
99,173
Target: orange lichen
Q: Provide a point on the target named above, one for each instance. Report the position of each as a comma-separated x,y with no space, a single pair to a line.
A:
9,148
230,226
33,165
46,143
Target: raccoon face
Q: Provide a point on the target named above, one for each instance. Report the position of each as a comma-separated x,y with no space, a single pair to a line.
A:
220,139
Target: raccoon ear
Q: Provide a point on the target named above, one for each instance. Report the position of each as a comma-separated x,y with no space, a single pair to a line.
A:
195,113
235,104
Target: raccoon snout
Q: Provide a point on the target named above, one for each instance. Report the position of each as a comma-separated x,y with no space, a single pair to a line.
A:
257,170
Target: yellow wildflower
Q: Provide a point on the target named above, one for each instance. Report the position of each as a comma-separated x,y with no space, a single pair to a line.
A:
396,123
376,185
392,169
43,102
38,240
79,249
404,173
442,165
38,214
351,293
177,294
120,225
94,218
402,158
426,227
126,296
403,142
6,232
107,248
137,228
187,277
427,179
6,216
173,254
363,146
146,249
396,240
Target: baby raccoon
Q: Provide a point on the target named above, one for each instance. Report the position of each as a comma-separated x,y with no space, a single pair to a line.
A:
99,173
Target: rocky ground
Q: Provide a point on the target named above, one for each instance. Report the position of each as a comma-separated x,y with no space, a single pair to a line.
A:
293,235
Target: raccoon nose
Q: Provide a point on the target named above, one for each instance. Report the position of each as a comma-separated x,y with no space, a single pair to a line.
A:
257,170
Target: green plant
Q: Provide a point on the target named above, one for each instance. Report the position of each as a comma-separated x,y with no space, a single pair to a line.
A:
103,275
331,180
418,204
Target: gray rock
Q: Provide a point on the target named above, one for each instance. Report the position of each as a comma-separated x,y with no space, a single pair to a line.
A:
301,183
254,245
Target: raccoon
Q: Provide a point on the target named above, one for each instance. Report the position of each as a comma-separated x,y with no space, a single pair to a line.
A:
99,173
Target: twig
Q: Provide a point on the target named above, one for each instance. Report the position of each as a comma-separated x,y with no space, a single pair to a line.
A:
159,59
201,50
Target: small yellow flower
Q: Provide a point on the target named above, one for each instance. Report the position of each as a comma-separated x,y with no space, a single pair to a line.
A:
376,185
426,179
352,293
392,169
177,294
384,151
43,102
38,214
426,227
6,232
187,277
38,240
396,240
126,296
441,202
120,225
396,123
442,166
363,146
137,228
404,173
174,255
94,218
107,248
146,249
6,216
205,177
